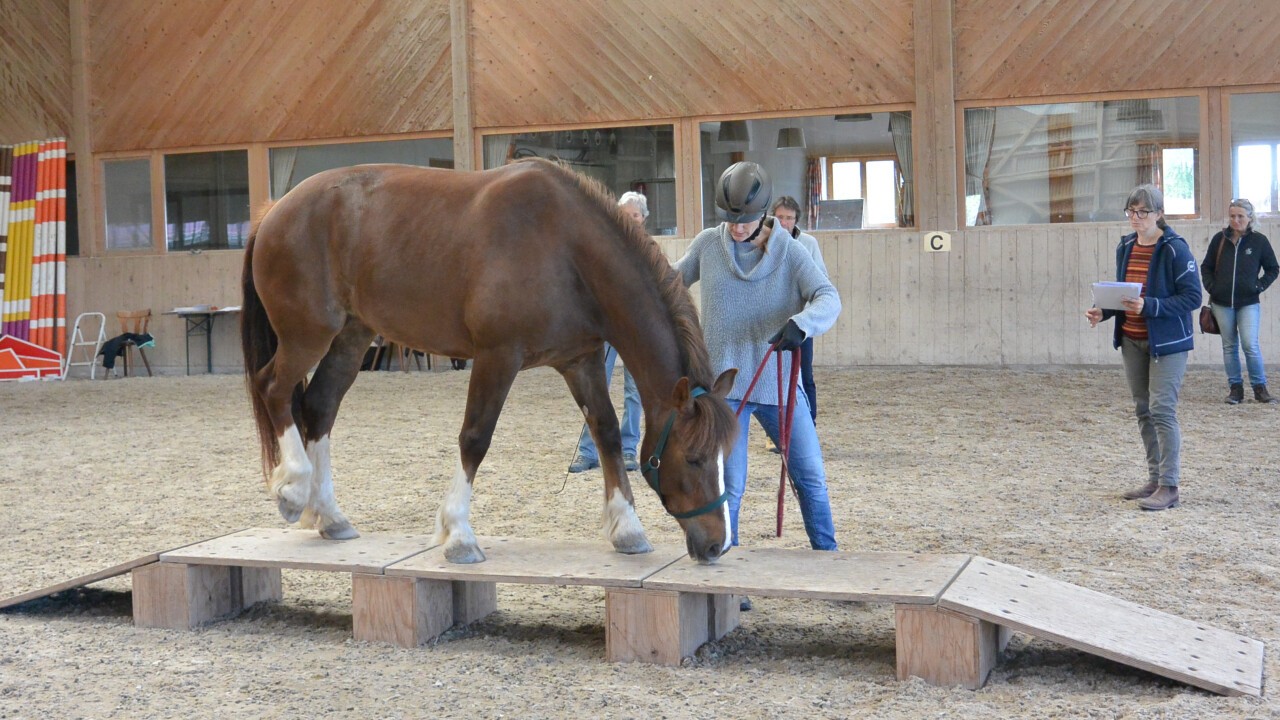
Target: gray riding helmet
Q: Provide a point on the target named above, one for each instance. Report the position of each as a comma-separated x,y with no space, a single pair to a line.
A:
743,193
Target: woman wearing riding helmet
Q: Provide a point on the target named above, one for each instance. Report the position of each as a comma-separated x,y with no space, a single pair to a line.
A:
758,287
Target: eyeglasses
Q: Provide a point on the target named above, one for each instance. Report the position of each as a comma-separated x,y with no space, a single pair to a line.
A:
1142,214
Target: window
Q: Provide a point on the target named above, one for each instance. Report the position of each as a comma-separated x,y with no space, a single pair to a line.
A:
1255,150
127,190
1077,162
640,159
292,165
206,199
872,182
847,171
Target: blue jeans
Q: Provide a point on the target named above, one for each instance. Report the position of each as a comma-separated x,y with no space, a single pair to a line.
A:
1240,327
807,473
1155,384
630,412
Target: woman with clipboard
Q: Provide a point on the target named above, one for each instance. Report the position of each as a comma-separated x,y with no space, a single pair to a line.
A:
1155,333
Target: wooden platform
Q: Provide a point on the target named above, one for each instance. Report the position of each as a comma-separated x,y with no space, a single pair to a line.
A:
953,613
1128,633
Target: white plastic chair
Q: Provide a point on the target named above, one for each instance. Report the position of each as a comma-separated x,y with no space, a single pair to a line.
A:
78,341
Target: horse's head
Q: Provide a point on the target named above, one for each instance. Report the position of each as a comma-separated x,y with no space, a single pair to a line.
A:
685,464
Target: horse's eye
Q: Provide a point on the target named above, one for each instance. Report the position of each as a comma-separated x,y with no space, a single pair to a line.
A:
694,461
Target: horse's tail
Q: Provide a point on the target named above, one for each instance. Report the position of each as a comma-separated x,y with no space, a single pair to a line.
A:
258,340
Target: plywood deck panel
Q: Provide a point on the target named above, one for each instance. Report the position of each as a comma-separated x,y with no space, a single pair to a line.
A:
89,578
301,550
778,572
1119,630
543,562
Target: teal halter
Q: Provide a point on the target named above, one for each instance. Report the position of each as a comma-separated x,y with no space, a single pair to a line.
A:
655,461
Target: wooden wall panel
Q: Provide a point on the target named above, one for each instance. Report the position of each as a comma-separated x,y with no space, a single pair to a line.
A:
161,283
548,61
1002,296
179,73
1063,47
35,70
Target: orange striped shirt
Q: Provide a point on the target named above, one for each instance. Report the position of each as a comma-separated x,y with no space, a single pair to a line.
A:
1135,326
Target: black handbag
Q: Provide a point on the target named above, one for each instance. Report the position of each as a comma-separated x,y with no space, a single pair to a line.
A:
1208,323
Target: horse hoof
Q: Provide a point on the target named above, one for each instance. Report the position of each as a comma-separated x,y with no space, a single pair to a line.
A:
340,531
290,512
464,554
634,545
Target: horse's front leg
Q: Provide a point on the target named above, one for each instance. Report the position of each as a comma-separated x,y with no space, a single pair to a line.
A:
590,389
491,378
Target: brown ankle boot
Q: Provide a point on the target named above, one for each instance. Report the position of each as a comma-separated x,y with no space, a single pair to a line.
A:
1236,396
1261,395
1142,492
1165,497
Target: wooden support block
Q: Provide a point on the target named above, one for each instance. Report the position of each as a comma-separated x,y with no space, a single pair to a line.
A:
257,584
725,613
946,648
473,601
180,597
403,611
655,626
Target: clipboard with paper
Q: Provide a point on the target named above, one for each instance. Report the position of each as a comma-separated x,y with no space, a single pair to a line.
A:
1107,294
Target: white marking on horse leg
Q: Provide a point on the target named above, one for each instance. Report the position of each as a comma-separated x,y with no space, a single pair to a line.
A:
291,479
724,507
453,522
622,526
322,512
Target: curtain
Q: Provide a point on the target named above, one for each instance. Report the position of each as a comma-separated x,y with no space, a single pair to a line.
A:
498,150
813,190
900,128
283,161
1150,164
979,132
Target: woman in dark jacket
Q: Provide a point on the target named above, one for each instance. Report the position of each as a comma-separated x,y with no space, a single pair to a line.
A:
1154,334
1237,268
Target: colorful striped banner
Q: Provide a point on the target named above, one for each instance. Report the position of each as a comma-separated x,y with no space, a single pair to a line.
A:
33,183
6,183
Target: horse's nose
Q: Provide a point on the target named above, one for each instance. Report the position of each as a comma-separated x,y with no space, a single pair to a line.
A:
713,552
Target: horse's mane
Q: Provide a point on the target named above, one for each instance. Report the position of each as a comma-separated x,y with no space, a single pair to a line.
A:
694,359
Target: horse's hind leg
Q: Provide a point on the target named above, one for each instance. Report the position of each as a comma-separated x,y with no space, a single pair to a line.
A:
290,481
320,404
491,378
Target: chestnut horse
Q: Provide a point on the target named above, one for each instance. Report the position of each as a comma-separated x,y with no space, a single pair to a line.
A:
518,267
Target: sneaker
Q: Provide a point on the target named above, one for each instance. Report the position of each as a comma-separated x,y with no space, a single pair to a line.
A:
630,462
582,464
744,604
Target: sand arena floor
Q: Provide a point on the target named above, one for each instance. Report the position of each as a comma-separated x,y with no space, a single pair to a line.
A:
1024,467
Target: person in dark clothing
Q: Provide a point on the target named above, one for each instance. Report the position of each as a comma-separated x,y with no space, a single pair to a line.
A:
1238,267
1155,335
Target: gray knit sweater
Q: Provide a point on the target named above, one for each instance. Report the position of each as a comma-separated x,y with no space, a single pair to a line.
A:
743,308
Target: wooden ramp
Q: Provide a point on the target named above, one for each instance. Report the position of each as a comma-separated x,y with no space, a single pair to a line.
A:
953,613
1128,633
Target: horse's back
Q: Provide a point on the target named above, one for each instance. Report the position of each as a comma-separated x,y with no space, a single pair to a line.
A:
424,255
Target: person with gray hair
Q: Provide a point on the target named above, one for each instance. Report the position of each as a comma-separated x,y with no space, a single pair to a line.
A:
1154,333
635,206
1238,267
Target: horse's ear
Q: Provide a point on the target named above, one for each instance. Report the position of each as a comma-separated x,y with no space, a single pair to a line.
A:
724,383
681,397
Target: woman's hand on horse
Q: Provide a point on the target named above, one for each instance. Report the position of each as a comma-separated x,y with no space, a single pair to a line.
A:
790,337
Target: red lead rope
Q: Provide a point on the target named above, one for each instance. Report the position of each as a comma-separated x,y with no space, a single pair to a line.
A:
786,412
